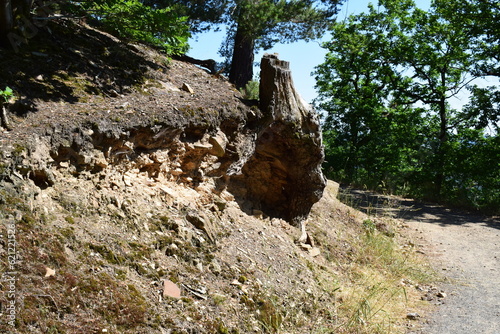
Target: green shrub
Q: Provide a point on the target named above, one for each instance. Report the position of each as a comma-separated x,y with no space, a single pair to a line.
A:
6,94
131,19
251,90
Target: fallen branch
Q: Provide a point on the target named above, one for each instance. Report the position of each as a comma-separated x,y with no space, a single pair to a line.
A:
209,64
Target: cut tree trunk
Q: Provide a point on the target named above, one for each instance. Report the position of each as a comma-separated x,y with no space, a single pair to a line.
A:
283,177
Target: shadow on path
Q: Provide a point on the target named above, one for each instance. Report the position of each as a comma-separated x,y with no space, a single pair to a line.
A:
404,208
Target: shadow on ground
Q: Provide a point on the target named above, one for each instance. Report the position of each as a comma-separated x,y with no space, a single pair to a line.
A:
66,59
409,209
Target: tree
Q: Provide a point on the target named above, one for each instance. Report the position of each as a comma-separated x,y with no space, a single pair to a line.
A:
358,86
202,14
386,86
481,18
257,24
133,20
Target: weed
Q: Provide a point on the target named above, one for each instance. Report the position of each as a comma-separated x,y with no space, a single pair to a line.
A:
107,254
269,315
68,232
218,299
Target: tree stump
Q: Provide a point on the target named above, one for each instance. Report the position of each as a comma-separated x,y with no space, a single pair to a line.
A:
283,177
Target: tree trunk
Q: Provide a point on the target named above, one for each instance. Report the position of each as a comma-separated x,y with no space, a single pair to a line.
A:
242,61
443,139
6,21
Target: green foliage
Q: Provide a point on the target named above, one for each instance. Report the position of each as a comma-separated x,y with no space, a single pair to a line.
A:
269,22
386,86
131,19
256,24
251,90
6,94
202,14
481,19
265,21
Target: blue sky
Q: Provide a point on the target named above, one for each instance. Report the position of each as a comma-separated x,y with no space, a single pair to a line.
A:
303,57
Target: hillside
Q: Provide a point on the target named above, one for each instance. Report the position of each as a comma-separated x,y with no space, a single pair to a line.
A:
147,196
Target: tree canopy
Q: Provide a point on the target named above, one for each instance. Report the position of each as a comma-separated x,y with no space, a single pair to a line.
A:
127,19
256,24
387,86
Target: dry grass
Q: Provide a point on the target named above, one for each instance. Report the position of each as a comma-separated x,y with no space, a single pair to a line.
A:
376,272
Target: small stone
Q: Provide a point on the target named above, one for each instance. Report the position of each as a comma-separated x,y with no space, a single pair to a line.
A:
314,251
202,146
49,272
170,289
176,171
220,204
215,267
305,246
427,297
127,180
219,143
413,316
441,294
184,233
198,264
202,222
187,88
172,249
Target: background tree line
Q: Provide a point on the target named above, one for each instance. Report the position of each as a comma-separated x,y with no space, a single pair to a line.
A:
386,88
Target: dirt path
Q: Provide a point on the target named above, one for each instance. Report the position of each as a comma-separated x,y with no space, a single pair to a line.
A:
465,248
